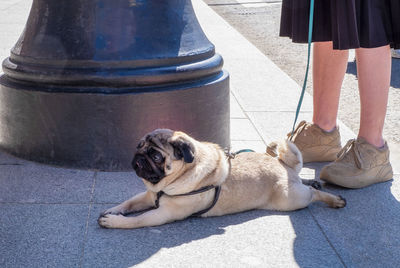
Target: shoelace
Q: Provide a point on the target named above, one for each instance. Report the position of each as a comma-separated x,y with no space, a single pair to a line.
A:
351,145
300,127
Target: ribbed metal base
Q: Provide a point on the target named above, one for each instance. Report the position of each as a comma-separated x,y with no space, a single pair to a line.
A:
100,130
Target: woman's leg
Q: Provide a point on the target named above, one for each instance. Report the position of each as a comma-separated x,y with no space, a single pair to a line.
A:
373,70
320,141
329,67
365,161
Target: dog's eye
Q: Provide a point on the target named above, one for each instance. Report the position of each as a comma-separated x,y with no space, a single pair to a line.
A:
157,157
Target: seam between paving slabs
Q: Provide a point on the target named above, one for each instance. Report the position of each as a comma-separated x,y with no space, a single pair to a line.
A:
88,219
327,239
248,118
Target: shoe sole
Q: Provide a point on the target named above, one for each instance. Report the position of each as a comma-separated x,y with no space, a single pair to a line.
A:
355,182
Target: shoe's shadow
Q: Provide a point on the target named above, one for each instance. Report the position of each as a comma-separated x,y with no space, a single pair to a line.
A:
367,231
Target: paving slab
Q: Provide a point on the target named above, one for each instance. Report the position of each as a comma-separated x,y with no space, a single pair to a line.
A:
12,21
235,109
13,17
37,235
257,145
116,187
44,184
243,129
366,232
10,4
261,98
276,125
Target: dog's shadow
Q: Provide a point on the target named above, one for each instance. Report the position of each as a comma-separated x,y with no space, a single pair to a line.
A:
139,245
363,234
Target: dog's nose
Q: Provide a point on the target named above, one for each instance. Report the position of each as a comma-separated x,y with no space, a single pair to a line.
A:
138,163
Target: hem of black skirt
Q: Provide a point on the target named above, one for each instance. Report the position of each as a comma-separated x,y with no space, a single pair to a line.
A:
395,45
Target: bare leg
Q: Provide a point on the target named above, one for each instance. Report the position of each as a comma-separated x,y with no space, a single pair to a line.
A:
329,67
373,69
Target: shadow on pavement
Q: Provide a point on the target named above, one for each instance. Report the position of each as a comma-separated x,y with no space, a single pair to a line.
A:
125,248
395,78
395,82
366,232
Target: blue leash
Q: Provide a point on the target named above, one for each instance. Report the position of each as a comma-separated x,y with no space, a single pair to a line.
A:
244,151
232,155
310,30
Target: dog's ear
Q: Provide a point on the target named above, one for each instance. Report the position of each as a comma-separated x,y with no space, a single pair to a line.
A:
183,149
272,149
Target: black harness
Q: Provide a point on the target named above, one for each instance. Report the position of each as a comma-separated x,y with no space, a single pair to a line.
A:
201,190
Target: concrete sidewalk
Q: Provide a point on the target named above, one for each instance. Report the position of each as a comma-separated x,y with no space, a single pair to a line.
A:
49,214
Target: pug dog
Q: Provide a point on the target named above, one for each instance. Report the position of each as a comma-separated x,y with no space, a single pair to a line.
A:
186,177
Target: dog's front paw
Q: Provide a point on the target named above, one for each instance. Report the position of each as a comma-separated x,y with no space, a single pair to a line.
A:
340,202
110,221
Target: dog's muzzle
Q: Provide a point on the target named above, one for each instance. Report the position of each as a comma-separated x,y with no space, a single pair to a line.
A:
146,169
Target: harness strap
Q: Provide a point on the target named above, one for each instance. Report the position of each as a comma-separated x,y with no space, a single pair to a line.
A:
201,190
216,196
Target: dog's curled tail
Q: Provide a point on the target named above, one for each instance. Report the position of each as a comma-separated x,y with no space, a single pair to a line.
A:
287,152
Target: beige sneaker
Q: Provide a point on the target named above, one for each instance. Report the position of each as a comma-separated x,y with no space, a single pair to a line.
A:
315,144
359,164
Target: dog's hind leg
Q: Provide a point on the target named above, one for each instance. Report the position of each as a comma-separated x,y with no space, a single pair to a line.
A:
334,201
299,196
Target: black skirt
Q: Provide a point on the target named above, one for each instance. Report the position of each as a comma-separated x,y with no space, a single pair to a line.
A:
348,23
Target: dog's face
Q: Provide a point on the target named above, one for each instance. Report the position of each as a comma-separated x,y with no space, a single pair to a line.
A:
160,153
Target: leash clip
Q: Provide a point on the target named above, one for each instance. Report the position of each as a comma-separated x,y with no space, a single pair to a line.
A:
229,154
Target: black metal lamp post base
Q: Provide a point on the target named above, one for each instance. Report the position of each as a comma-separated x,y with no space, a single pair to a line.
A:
88,79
